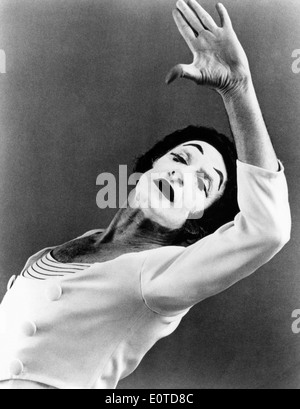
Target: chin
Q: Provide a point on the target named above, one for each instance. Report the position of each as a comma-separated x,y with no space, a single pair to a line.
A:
164,219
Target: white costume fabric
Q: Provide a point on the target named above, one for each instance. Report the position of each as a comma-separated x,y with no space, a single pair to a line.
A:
90,329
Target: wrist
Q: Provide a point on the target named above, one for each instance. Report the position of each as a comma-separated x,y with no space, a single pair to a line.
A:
238,88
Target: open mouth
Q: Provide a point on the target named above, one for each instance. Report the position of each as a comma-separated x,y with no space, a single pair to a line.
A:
166,189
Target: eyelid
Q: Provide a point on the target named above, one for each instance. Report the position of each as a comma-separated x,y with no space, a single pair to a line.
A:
184,155
208,178
188,157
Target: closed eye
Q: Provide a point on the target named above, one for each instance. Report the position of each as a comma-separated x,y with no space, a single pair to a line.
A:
203,184
179,158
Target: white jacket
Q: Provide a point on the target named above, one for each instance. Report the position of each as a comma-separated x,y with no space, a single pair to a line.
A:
91,329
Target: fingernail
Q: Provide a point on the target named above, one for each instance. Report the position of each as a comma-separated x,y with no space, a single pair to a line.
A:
171,77
168,79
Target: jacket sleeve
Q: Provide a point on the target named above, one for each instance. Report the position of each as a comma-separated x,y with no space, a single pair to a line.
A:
232,253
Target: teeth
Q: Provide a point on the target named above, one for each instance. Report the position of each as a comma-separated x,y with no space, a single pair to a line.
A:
166,189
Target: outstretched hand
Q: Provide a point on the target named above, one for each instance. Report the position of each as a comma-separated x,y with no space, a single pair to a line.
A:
220,61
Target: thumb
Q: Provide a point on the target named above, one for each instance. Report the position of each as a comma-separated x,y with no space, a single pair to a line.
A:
181,71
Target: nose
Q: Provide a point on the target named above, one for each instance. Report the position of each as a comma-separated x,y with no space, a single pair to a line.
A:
176,176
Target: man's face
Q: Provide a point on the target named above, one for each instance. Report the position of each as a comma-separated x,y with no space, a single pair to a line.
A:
182,184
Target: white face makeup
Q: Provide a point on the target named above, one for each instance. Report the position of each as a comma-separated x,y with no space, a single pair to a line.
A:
182,184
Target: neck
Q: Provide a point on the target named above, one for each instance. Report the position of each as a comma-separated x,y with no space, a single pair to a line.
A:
131,228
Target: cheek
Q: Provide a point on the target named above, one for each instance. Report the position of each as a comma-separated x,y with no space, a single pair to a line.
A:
163,165
143,189
159,162
195,204
193,199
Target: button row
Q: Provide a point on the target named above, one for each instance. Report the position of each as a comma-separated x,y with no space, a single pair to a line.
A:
29,329
53,293
16,367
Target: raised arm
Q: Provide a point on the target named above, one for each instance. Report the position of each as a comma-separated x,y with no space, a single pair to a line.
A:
180,278
221,64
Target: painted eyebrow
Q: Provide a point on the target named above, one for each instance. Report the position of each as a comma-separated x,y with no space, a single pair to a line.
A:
200,149
221,177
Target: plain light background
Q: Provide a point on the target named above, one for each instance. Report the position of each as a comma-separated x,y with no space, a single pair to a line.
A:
84,93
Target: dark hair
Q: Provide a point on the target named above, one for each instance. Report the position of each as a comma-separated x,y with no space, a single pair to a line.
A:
222,211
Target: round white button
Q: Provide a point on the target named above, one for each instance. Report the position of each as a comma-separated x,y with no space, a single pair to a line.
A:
54,292
11,282
29,328
16,367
